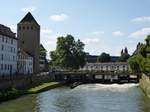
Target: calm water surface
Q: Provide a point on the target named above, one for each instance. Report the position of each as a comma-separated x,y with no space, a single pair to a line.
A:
84,98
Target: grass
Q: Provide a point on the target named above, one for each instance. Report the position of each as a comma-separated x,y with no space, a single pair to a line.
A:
12,93
42,87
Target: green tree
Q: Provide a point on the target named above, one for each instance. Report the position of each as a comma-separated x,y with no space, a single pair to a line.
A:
43,51
142,50
126,51
69,53
122,52
141,57
104,57
136,63
124,57
147,40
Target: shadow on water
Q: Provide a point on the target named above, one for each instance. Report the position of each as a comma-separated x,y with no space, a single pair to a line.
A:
84,98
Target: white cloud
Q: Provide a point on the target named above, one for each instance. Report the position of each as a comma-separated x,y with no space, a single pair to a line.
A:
59,18
91,40
12,27
28,9
117,33
140,33
46,31
141,19
49,42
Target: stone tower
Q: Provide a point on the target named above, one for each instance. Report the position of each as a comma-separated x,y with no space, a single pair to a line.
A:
28,33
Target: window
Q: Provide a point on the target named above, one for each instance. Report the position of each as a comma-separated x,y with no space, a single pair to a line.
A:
106,67
13,58
1,66
5,67
14,50
23,27
11,41
11,49
31,27
19,27
117,67
2,57
6,40
27,27
2,38
2,47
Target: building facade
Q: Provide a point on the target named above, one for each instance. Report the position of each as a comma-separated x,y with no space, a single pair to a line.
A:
8,51
28,33
24,63
43,59
110,67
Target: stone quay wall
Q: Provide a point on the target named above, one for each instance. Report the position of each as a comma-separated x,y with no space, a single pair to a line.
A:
145,84
22,81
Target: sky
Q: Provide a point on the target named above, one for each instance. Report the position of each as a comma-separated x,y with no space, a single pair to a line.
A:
103,25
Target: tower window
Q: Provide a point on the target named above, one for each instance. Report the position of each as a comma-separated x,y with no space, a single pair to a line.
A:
19,27
23,27
27,27
31,27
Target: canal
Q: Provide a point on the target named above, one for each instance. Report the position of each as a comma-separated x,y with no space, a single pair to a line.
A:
84,98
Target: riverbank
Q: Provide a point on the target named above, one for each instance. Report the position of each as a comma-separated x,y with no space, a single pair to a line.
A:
145,84
12,93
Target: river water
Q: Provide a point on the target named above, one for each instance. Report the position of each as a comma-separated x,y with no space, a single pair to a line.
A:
84,98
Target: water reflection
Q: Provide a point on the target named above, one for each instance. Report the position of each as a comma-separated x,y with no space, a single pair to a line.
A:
85,98
22,104
144,104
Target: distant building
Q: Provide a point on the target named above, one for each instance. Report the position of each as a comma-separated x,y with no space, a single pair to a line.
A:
110,66
8,51
24,63
28,33
43,59
93,58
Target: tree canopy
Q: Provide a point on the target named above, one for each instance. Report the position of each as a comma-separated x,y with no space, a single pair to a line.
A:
141,57
124,55
69,54
43,51
104,57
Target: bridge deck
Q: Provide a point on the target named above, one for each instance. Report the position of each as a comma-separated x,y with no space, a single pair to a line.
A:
95,76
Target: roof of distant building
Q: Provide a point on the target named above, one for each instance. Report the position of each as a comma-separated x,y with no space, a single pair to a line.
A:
93,58
6,31
109,63
29,18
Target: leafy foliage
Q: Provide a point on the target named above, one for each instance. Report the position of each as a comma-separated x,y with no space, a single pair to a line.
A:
136,64
43,51
69,53
124,55
141,57
104,57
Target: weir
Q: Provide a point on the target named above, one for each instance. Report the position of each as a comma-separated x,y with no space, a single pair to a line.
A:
96,77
